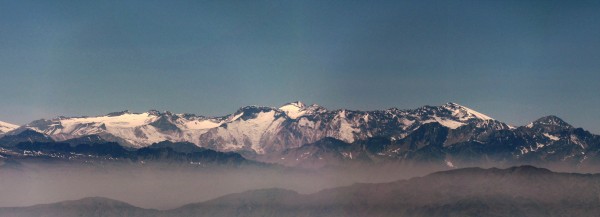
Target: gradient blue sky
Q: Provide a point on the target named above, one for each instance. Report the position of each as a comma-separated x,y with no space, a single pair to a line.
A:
513,60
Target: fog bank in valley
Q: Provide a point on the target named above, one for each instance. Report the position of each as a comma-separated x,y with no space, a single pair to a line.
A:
166,187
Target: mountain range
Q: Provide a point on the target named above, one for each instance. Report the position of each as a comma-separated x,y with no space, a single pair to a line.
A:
515,191
302,135
255,128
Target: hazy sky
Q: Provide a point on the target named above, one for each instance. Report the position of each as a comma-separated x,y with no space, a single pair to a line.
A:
513,60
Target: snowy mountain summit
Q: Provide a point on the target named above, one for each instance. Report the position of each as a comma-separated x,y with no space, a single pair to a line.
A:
294,109
464,113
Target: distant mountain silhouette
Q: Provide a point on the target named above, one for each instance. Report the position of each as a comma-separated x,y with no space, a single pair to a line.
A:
517,191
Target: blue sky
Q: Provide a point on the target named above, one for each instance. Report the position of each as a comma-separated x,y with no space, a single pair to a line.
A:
513,60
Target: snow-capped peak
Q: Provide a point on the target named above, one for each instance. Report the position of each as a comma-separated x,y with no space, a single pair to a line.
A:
9,125
294,109
549,124
298,104
552,121
465,113
5,127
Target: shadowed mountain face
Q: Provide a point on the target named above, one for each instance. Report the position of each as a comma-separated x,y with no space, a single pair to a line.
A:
25,136
31,146
516,191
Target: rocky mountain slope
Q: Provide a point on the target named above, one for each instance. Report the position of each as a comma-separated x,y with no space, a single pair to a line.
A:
32,146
